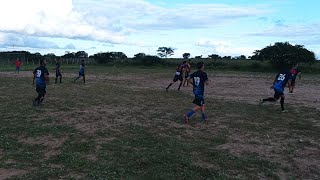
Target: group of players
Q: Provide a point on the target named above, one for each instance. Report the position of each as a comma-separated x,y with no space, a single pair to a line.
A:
198,80
41,78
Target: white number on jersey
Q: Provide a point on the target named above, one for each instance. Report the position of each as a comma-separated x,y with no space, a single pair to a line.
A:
196,81
38,73
281,77
177,73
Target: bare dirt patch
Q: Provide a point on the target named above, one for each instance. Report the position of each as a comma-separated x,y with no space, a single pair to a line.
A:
7,173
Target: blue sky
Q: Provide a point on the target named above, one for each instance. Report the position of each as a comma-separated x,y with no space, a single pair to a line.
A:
202,27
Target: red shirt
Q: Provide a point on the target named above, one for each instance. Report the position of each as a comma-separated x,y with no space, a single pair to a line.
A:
18,63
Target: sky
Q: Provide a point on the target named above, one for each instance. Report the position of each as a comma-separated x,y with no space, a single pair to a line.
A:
198,27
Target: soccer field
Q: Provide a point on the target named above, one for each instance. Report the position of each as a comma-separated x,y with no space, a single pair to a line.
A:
122,124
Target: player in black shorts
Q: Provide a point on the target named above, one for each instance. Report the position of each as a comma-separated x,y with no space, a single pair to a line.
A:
58,71
41,75
180,70
280,82
198,79
81,72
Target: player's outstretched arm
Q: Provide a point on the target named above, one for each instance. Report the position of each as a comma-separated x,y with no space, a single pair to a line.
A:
190,81
34,77
299,75
46,77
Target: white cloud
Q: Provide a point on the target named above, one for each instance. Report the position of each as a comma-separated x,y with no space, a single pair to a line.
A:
50,18
285,30
222,47
12,40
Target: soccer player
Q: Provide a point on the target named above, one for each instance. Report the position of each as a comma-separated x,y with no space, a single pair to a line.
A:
81,72
18,64
279,84
295,71
198,79
41,75
179,75
58,71
187,73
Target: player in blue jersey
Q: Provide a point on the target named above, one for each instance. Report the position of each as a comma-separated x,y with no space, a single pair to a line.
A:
180,70
280,82
58,71
40,78
198,79
81,72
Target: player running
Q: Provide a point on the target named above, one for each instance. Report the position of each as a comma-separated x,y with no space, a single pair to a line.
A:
41,75
58,71
187,73
279,84
180,70
295,71
81,72
198,79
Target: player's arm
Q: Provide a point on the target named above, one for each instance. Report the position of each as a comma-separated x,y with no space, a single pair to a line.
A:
189,79
46,76
275,80
299,75
34,77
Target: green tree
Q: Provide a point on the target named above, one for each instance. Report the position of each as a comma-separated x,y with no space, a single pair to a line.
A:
214,56
139,56
186,55
81,54
165,51
283,54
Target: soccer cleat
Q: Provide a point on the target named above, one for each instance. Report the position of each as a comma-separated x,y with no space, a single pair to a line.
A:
261,101
186,118
35,103
284,111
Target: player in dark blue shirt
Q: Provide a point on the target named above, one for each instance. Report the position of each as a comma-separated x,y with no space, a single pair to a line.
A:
81,72
280,82
198,79
40,78
58,71
180,70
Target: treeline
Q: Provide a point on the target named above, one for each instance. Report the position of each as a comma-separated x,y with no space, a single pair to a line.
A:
279,54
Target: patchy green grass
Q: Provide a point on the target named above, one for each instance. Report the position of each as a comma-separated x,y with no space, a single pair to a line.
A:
119,125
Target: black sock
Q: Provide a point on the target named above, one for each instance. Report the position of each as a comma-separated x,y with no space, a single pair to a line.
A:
169,86
180,85
60,80
55,81
282,103
38,98
271,99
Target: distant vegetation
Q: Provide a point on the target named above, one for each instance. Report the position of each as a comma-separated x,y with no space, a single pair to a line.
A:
264,60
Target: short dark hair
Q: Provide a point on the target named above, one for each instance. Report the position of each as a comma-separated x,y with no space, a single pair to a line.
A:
41,61
200,64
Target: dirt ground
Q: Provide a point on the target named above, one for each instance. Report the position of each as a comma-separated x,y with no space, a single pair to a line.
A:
233,87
